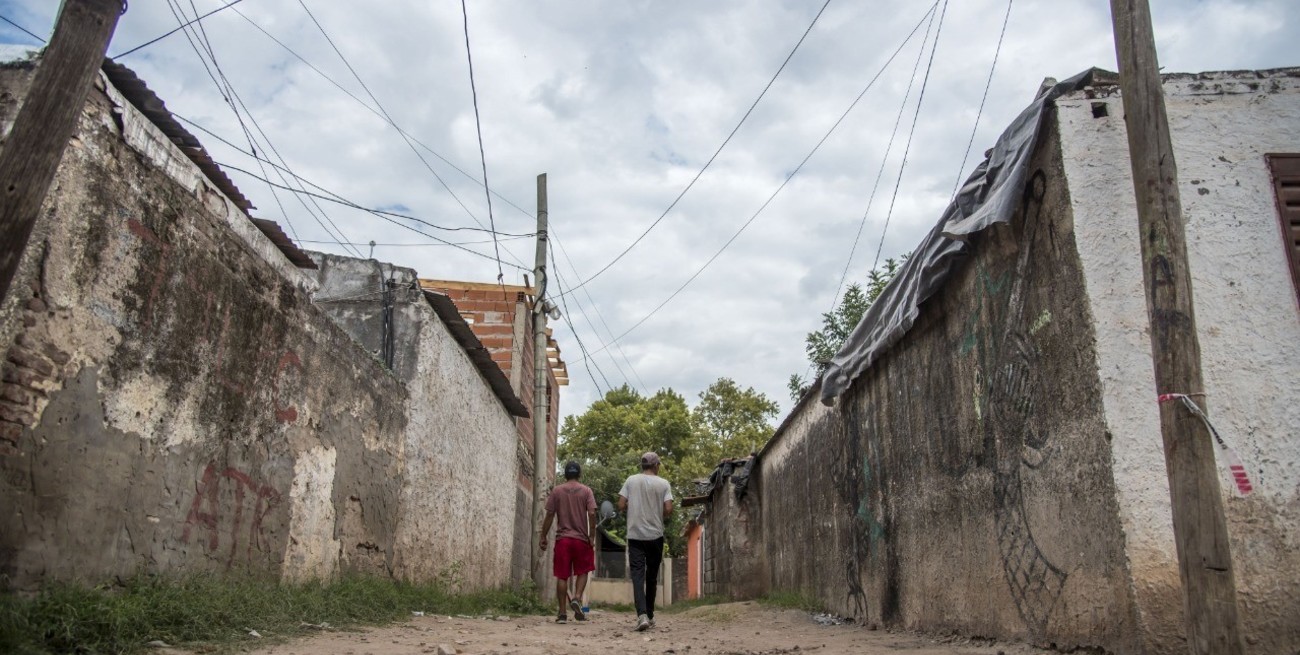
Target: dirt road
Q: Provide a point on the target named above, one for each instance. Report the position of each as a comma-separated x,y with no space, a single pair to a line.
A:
729,629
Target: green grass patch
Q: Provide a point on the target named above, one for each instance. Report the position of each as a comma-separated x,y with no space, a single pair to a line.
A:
687,605
216,613
791,601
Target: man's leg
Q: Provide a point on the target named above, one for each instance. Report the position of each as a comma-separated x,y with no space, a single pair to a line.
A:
636,556
560,569
654,556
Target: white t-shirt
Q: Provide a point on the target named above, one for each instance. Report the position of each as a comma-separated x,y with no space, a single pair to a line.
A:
645,496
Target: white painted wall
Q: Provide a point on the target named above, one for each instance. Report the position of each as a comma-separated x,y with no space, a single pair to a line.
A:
1248,323
458,500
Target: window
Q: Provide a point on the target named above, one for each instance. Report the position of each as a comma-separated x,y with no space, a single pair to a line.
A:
1286,188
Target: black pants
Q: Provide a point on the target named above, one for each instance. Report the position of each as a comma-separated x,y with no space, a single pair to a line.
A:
645,557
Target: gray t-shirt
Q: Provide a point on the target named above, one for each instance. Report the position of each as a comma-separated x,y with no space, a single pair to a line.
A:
645,496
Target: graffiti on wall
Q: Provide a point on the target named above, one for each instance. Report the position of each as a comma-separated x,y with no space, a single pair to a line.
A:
1007,385
212,509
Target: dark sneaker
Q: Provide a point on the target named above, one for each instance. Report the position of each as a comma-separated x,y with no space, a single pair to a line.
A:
642,623
577,610
563,618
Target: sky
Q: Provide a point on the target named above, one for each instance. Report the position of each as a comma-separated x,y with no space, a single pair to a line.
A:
622,104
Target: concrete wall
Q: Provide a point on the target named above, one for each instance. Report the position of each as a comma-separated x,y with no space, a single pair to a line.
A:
1000,471
963,483
173,401
1248,324
459,505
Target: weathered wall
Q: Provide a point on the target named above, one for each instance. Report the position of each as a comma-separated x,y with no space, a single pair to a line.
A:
734,555
459,507
963,483
1248,325
172,400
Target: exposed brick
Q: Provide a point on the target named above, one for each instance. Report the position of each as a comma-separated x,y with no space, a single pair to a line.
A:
30,360
10,432
36,305
57,356
8,412
16,375
493,329
19,394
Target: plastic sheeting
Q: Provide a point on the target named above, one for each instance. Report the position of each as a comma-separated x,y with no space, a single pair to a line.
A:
989,196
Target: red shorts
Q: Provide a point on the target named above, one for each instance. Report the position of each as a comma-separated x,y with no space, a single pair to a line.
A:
573,557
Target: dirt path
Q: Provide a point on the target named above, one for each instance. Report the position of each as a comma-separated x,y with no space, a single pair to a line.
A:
729,629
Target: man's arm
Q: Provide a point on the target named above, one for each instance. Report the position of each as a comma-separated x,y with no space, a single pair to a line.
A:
668,508
546,529
591,525
622,503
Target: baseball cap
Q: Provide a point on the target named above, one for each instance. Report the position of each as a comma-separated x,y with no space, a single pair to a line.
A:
572,469
650,459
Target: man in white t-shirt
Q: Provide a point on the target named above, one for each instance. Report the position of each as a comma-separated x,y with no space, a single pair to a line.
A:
648,500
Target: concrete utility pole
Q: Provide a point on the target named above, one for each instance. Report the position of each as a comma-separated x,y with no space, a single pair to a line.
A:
47,120
1200,531
540,404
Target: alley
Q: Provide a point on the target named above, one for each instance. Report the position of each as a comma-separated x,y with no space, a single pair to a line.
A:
745,628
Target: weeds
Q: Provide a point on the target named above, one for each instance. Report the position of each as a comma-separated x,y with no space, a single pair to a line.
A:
220,612
791,601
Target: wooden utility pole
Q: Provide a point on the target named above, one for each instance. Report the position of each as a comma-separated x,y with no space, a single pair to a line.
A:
541,405
1200,531
47,120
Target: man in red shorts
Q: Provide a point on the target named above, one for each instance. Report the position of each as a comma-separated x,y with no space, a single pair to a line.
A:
575,538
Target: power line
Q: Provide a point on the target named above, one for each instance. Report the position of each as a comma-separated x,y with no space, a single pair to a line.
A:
505,235
595,307
779,188
884,161
478,127
24,29
385,215
565,302
417,245
920,99
227,91
988,83
587,360
708,163
388,117
155,40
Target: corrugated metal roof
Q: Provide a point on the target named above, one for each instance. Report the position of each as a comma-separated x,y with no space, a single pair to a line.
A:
460,330
148,103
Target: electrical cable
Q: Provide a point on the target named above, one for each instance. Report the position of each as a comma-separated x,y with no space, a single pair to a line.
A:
504,235
587,360
559,280
987,84
708,163
155,40
381,214
783,184
227,91
920,99
884,161
388,116
24,29
554,238
478,128
417,245
386,119
880,173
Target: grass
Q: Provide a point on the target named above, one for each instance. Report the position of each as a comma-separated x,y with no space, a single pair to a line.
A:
791,601
208,613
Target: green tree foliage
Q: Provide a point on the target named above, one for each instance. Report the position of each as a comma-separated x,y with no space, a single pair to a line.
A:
609,438
821,345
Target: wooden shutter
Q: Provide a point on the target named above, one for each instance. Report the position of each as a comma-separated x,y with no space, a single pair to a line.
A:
1286,188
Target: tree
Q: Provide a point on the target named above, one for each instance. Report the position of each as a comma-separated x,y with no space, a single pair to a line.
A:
609,438
821,345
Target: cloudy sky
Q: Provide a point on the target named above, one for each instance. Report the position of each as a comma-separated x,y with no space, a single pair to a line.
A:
622,104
